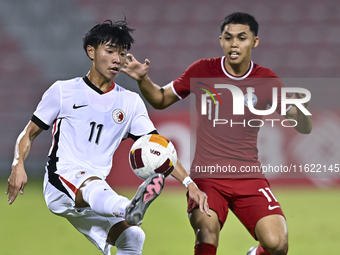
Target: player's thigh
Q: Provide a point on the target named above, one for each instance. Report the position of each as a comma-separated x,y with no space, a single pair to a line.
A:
272,231
254,201
94,227
217,198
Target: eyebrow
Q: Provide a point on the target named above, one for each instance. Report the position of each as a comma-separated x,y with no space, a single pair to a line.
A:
111,45
239,34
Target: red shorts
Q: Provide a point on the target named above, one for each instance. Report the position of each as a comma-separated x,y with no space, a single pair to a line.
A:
249,199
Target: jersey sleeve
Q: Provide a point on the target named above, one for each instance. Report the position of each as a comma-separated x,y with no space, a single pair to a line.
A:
141,123
48,108
181,86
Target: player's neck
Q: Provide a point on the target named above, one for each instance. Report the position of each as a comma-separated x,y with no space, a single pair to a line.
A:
99,81
237,69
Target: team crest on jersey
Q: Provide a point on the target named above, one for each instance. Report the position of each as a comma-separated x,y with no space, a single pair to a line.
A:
253,100
118,116
80,173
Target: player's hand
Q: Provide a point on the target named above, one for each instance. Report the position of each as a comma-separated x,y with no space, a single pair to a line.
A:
134,68
199,197
16,183
300,95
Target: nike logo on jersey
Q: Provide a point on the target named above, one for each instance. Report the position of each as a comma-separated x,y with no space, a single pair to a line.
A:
78,106
273,207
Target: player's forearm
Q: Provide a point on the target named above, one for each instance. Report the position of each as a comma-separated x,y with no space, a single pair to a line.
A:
179,172
24,143
153,93
21,150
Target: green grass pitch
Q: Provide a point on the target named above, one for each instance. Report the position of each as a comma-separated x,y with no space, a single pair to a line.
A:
27,227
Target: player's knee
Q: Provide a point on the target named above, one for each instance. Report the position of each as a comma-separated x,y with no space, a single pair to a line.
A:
207,233
276,245
130,241
206,228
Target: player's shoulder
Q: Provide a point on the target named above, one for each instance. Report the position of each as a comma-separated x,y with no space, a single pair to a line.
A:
68,83
262,72
208,61
126,92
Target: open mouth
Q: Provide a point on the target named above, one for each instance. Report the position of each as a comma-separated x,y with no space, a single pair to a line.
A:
234,54
114,70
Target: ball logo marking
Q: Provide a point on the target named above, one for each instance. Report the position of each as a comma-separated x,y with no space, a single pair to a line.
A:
152,154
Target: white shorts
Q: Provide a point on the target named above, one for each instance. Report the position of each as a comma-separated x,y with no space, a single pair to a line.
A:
93,226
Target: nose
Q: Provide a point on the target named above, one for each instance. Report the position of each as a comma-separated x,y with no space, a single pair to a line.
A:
234,42
116,58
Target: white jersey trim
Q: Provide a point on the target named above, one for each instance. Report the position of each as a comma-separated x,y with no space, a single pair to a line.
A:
173,89
233,77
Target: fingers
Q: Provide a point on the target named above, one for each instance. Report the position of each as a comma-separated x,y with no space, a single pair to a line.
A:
21,190
203,204
130,56
12,196
13,191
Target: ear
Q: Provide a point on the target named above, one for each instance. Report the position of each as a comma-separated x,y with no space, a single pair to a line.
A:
220,37
90,51
256,42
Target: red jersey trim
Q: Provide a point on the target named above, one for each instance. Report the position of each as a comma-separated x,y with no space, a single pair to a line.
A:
235,77
111,88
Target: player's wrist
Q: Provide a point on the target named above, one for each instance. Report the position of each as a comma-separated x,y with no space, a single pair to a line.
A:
187,180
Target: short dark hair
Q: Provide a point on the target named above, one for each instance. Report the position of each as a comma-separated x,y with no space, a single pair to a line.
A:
243,19
117,33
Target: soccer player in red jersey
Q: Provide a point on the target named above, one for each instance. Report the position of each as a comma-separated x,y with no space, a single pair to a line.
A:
234,144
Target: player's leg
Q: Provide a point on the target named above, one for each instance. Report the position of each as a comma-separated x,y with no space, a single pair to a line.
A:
130,241
145,195
102,231
207,231
272,233
105,232
259,211
103,200
97,194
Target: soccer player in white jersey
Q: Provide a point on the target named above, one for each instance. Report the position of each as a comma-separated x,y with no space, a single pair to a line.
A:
89,117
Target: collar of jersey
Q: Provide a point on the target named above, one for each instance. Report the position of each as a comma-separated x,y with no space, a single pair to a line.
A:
236,77
92,86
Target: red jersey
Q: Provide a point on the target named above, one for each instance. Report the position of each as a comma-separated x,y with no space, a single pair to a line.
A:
226,144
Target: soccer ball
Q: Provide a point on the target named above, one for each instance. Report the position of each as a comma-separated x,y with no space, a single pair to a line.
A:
152,154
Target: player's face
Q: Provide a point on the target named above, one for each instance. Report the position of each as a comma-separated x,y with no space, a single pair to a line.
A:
237,42
108,60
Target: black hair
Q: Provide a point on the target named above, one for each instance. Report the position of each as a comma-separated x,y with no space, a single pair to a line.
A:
117,33
243,19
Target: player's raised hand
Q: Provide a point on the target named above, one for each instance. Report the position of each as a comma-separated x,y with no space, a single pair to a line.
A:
199,197
300,95
134,68
16,183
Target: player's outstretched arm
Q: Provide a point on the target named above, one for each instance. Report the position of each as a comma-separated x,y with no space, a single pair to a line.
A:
193,191
158,97
18,177
304,122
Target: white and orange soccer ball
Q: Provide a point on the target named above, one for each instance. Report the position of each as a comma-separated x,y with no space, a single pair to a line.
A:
152,154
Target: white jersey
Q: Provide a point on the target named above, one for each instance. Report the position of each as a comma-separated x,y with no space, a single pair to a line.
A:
88,125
